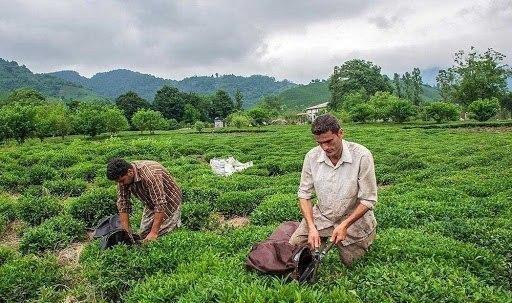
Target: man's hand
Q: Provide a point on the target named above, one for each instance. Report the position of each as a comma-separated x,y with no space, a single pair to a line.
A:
314,238
150,237
339,233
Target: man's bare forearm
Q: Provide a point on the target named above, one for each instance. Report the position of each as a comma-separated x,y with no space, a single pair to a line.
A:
125,220
307,212
355,215
157,222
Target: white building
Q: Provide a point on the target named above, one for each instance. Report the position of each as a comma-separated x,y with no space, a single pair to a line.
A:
316,110
218,123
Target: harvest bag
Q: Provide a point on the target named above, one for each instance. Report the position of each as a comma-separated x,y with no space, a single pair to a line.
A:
275,255
111,233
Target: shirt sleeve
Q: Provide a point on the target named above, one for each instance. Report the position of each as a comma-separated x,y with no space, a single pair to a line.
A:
367,182
123,199
306,185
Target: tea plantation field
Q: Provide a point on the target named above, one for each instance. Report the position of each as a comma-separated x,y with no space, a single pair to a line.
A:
444,215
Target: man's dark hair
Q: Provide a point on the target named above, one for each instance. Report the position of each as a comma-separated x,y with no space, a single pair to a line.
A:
325,123
117,168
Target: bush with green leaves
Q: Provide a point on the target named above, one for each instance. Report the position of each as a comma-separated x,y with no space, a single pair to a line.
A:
237,203
208,196
34,210
484,109
93,206
442,112
66,188
84,170
199,126
401,110
239,120
7,254
53,234
277,208
37,174
362,113
147,119
22,279
195,216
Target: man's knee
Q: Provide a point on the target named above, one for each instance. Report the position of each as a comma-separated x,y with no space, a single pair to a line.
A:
298,239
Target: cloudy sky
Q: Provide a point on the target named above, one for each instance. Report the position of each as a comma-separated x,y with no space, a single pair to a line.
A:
297,40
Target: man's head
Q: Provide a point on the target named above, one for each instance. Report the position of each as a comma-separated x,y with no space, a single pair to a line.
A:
120,170
328,134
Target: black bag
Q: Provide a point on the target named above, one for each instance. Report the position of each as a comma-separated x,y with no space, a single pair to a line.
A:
111,233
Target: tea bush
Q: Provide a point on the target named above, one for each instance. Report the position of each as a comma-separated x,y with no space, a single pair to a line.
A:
195,215
239,203
85,171
35,210
93,206
52,234
200,195
66,188
37,174
22,279
7,254
277,208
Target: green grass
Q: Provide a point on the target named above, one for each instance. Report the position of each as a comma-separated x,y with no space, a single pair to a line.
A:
444,217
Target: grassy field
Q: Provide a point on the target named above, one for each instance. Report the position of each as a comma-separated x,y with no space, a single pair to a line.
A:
444,219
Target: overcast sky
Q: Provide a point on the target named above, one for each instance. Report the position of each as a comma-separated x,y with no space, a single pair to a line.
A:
297,40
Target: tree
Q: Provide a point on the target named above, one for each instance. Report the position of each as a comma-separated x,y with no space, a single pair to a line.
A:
199,125
26,96
18,121
170,102
238,120
506,102
446,84
221,105
381,103
475,76
484,109
442,111
401,110
396,82
355,75
52,119
89,119
354,98
362,112
272,105
130,103
239,100
191,114
259,116
417,86
147,119
115,120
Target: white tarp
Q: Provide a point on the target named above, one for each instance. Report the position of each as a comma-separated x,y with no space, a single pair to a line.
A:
226,167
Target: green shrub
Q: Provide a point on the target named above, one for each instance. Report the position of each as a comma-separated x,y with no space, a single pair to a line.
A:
484,109
63,160
401,110
37,174
200,195
93,206
442,112
53,234
85,171
276,209
362,113
7,254
7,208
199,125
35,210
66,188
237,203
22,279
195,215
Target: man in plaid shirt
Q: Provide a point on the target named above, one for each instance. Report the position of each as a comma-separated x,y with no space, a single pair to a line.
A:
151,183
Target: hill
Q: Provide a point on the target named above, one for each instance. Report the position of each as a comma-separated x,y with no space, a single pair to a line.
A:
14,76
302,96
114,83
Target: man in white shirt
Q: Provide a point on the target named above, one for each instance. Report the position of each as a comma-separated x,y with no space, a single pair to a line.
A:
342,175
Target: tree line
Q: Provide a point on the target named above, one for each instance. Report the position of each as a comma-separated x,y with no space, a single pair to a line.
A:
476,83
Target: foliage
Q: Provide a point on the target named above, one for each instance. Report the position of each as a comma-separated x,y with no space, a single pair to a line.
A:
115,121
53,234
22,279
401,110
66,188
259,116
442,112
275,209
240,203
355,75
52,119
221,105
484,109
195,215
93,206
362,113
199,126
147,119
17,121
239,120
90,120
35,210
130,103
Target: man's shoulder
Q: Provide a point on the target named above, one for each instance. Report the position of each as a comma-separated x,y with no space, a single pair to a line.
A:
314,152
357,149
147,164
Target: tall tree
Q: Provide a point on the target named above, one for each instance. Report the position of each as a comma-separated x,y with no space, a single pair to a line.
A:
222,105
417,86
26,96
239,100
130,103
170,102
396,82
353,75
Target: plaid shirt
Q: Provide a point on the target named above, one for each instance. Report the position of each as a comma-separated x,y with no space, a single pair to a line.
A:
153,185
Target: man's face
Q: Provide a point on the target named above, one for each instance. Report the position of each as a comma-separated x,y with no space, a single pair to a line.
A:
330,142
126,179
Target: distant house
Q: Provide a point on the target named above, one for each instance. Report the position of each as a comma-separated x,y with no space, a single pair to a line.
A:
218,123
316,110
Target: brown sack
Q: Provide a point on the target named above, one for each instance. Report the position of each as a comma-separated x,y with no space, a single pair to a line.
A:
275,255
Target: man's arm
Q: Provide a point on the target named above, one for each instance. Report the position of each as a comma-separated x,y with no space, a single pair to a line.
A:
124,206
157,194
340,232
306,188
125,221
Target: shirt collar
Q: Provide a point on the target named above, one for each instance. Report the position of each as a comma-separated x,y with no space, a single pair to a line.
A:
346,155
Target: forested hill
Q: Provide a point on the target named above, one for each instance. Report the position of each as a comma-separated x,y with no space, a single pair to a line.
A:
117,82
303,96
14,76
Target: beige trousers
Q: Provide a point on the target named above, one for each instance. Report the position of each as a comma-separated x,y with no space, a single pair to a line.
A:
348,253
168,224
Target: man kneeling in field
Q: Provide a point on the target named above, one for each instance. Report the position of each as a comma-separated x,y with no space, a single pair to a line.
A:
342,174
153,185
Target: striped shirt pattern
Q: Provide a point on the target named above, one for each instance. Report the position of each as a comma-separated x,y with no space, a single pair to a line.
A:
153,185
